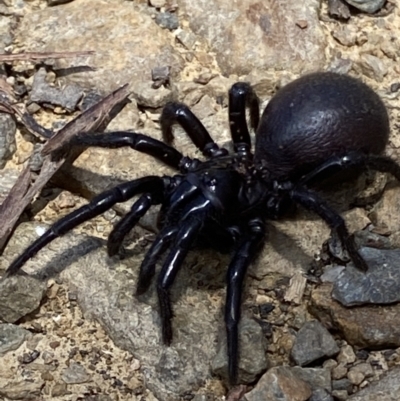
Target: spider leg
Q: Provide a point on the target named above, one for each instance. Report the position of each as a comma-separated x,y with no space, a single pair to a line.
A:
97,206
179,113
243,257
241,96
183,241
127,222
311,201
142,143
352,160
148,266
181,197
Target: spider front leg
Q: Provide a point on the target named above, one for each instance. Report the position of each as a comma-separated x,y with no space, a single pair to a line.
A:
179,113
97,206
243,257
311,201
242,96
142,143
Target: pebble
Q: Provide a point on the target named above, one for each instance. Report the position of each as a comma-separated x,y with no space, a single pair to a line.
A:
368,6
346,355
167,20
339,372
313,342
11,337
75,373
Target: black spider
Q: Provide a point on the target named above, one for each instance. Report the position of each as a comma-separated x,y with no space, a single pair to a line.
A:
313,128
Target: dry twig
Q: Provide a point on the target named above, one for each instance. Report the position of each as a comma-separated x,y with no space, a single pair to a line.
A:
94,119
33,56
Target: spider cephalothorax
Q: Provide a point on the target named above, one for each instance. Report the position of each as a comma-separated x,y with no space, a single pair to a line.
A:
314,127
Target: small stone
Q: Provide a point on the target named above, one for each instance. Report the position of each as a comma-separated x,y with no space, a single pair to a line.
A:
345,35
355,377
43,93
167,20
48,357
47,376
75,374
33,108
313,342
340,395
372,67
11,337
59,390
342,384
379,285
320,394
280,380
29,357
187,38
339,372
338,9
359,372
330,364
265,309
252,361
346,355
54,344
147,96
368,6
20,295
157,3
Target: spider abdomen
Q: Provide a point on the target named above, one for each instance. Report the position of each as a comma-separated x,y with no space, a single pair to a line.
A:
318,116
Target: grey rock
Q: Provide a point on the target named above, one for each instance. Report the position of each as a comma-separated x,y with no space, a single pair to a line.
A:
368,6
11,337
342,384
279,384
272,39
8,128
379,285
75,374
187,38
253,361
167,20
146,95
42,92
128,44
340,395
19,296
313,342
105,291
320,394
366,238
315,377
386,389
372,67
22,390
338,9
362,326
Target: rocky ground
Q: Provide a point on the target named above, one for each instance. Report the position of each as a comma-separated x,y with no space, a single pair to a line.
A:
73,329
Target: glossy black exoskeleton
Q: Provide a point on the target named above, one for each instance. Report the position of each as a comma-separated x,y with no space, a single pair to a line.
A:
313,128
